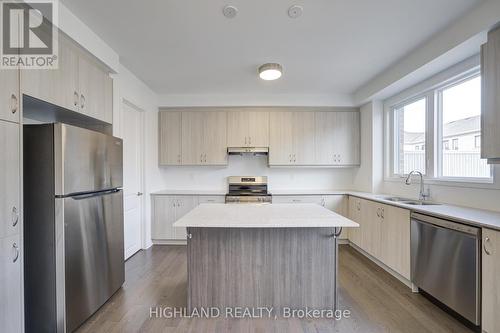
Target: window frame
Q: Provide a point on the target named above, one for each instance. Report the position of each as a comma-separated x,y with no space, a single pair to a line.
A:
431,89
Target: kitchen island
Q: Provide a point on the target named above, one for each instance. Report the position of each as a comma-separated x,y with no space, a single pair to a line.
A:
280,256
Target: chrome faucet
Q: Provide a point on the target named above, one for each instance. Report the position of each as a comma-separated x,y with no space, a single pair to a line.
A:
423,196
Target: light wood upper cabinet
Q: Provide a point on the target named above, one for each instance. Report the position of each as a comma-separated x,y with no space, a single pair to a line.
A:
248,129
92,81
214,138
170,137
9,95
203,137
337,138
490,99
57,86
490,281
291,138
79,84
280,138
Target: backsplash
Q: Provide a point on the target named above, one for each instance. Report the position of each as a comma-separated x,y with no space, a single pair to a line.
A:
215,178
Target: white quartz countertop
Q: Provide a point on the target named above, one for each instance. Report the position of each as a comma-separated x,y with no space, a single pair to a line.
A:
471,216
263,216
190,192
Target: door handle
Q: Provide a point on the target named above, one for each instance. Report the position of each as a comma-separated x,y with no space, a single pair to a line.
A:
139,194
82,101
13,107
75,98
15,216
486,240
15,249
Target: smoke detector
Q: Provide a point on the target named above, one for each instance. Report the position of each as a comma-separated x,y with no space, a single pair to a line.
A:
230,11
295,11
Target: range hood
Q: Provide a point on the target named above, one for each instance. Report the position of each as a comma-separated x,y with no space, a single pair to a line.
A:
248,150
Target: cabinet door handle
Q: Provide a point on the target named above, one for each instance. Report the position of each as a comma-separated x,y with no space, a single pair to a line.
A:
382,213
486,240
201,158
378,212
294,158
75,98
15,216
179,158
205,158
13,100
358,205
15,255
82,101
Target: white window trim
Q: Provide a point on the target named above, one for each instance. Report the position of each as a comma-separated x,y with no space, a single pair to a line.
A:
452,76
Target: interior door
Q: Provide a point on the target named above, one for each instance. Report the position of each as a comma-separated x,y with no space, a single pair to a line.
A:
132,177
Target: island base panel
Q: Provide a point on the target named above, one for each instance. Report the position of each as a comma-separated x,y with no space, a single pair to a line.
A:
262,267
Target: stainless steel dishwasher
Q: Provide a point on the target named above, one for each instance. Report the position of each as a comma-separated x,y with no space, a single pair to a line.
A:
445,263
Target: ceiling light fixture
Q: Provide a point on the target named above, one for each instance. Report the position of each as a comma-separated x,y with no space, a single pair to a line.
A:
271,71
230,11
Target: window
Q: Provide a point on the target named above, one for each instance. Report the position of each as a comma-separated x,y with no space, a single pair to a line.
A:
410,132
438,132
477,142
460,115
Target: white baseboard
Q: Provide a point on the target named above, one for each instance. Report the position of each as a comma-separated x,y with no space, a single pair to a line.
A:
389,270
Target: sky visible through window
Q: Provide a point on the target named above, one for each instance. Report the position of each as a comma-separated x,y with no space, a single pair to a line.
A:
464,99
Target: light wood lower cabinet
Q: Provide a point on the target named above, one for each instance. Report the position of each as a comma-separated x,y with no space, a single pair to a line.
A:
336,203
10,285
168,209
491,281
384,233
10,181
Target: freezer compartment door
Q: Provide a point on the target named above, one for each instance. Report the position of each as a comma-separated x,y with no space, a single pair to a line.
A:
86,160
94,257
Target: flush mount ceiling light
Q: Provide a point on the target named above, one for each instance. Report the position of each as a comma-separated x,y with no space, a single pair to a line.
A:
270,71
230,11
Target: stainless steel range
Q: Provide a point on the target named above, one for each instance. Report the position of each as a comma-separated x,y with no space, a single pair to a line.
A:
248,189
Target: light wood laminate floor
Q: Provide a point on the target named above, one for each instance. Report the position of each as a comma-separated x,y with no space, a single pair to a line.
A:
378,302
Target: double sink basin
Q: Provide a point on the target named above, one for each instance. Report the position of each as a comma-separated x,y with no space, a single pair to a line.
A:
409,201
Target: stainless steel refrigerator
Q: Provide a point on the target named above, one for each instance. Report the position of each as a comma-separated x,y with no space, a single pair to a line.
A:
73,224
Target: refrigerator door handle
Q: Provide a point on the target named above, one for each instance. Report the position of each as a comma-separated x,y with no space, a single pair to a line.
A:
84,196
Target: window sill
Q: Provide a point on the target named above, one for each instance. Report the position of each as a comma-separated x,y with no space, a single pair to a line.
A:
479,183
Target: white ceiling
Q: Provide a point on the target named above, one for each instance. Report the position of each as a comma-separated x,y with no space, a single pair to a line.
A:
187,47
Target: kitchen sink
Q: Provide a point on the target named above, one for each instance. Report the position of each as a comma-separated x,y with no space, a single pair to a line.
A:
395,199
420,203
